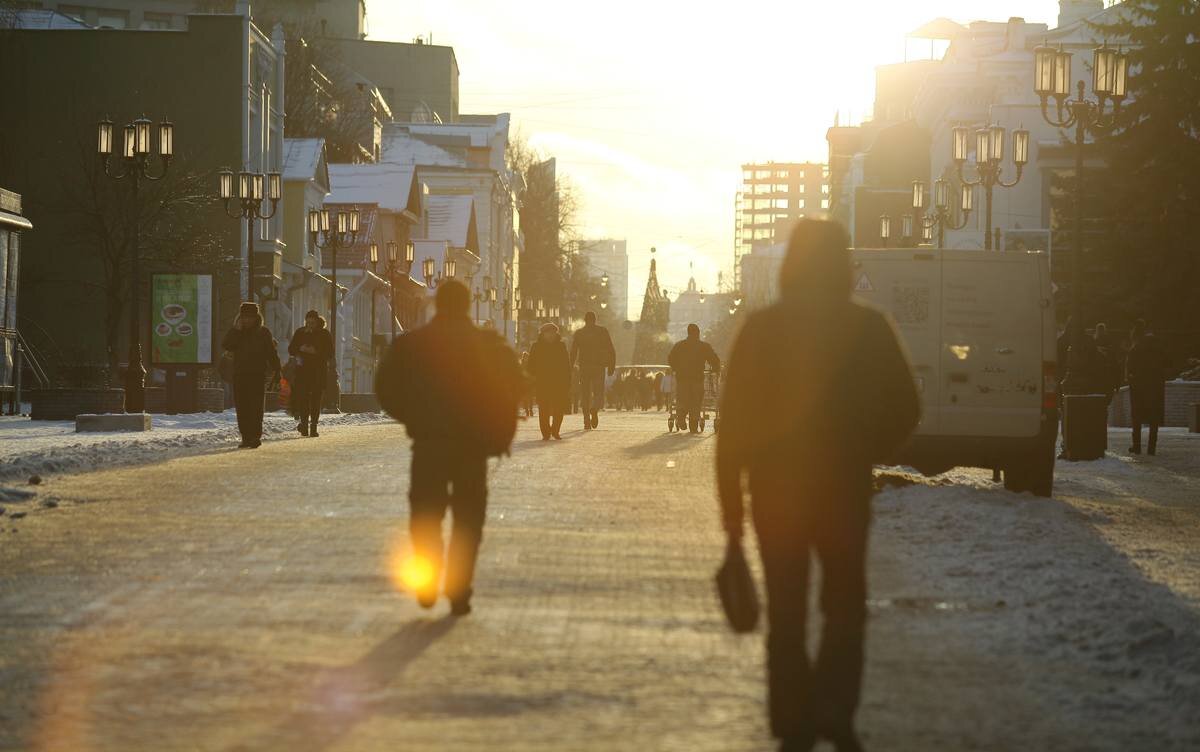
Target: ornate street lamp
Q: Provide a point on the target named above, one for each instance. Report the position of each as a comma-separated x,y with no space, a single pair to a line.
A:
250,195
941,215
135,153
331,231
989,157
1052,78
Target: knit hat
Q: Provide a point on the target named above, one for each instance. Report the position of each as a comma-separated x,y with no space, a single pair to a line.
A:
548,328
249,309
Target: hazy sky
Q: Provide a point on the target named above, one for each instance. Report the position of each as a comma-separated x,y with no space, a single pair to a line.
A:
651,107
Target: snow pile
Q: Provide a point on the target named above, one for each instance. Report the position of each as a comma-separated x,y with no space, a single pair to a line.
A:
42,447
1034,578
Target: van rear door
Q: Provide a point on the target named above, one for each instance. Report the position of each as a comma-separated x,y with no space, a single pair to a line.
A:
907,284
992,330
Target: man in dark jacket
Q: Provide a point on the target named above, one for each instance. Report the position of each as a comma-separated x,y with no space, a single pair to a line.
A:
254,356
593,350
688,358
1146,369
312,347
817,390
456,388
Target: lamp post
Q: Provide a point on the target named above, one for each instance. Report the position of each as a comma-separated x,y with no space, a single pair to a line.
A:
989,158
486,294
330,231
1052,78
373,250
251,190
393,266
940,215
449,267
135,153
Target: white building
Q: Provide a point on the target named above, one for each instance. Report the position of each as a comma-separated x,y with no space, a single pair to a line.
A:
611,257
696,306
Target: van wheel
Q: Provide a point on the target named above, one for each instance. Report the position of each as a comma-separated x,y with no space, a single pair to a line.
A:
1035,475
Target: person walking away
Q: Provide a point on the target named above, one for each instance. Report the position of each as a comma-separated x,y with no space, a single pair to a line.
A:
550,368
818,389
688,358
456,388
668,390
1146,370
254,358
658,391
593,350
527,399
312,347
645,391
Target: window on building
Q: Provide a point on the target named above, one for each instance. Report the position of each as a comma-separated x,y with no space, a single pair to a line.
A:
112,19
762,188
799,203
780,203
762,174
781,188
825,189
156,21
824,203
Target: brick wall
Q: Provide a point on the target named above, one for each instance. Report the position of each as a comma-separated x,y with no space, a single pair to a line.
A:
1180,394
65,404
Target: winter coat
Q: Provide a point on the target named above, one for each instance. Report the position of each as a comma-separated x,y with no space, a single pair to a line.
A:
254,351
452,383
312,367
1146,369
814,395
592,347
689,356
550,368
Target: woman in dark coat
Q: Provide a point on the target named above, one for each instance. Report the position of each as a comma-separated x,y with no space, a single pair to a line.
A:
550,367
312,347
1146,369
254,357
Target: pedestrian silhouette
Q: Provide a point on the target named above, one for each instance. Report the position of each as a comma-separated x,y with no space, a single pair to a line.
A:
687,359
456,389
254,358
817,390
312,347
550,368
1146,369
592,349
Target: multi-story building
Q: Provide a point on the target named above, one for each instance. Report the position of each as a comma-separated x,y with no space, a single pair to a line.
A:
611,257
773,196
12,224
342,19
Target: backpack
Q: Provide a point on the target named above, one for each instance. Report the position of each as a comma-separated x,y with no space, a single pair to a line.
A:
483,413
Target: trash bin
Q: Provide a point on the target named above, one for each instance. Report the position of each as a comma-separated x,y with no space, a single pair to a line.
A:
1085,426
1194,417
182,390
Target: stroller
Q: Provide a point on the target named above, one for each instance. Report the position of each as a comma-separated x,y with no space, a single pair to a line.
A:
709,406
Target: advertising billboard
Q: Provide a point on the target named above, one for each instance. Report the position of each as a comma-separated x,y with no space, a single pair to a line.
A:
181,319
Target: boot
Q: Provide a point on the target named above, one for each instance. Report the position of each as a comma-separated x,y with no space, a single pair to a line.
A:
303,428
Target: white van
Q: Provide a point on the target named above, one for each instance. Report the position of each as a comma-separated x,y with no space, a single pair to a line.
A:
979,327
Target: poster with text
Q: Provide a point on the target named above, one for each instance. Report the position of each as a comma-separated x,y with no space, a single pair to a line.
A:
181,319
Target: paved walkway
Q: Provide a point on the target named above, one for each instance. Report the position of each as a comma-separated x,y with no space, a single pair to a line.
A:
244,601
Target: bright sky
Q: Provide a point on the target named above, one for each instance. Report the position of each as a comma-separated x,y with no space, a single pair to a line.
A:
651,107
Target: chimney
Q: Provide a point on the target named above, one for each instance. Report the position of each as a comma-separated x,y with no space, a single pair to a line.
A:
1073,11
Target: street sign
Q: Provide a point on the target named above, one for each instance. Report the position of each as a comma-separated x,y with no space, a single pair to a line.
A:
181,319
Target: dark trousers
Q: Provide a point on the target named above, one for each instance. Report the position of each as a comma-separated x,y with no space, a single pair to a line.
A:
1140,416
446,476
691,397
307,396
551,424
591,389
248,394
804,695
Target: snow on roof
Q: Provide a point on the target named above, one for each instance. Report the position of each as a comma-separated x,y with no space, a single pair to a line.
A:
301,157
450,218
31,18
385,184
399,147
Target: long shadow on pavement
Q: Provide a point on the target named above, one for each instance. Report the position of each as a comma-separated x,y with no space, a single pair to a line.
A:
671,442
342,698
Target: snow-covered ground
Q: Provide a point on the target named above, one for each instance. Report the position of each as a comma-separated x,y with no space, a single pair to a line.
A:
40,447
1104,575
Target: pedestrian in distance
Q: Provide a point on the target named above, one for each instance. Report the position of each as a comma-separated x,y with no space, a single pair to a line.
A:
687,359
255,357
593,350
312,347
658,391
817,390
1146,370
456,388
550,368
527,399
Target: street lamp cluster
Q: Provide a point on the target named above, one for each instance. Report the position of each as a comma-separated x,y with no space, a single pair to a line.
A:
989,159
252,189
136,148
332,230
449,268
394,265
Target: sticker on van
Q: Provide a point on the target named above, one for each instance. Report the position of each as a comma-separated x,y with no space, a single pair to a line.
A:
863,284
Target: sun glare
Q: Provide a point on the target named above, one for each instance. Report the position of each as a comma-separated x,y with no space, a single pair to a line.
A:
412,572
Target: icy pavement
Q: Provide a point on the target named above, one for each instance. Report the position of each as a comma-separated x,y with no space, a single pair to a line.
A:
243,601
40,447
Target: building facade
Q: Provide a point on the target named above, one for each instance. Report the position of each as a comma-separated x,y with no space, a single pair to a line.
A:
611,257
773,196
12,224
